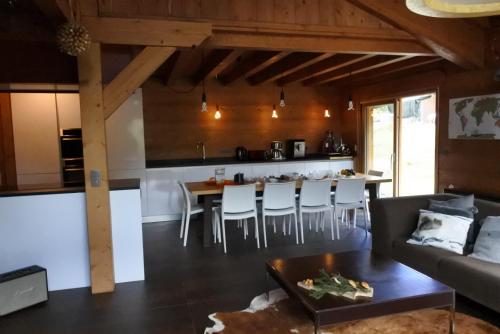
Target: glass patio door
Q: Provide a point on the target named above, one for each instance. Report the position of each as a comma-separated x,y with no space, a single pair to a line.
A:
380,142
401,142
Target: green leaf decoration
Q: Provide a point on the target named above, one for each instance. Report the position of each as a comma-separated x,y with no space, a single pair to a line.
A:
327,283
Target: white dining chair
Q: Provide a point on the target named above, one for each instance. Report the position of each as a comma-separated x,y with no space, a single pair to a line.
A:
315,198
350,194
279,200
188,210
238,203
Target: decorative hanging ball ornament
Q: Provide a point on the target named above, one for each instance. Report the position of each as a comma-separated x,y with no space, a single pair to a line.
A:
73,38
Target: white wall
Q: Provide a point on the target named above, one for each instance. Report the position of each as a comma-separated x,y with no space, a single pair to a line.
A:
68,110
51,231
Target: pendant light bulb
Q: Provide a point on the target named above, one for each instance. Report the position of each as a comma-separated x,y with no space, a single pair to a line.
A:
217,113
327,113
204,106
282,98
350,104
275,114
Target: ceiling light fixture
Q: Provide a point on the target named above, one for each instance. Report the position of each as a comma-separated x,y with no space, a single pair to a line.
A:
350,104
217,113
282,98
274,114
327,113
454,8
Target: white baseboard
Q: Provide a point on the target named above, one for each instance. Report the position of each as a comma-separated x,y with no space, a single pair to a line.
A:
162,218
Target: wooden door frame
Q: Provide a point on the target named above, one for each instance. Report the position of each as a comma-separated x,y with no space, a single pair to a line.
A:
7,153
396,99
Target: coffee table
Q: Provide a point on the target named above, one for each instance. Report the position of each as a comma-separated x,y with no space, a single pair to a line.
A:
397,288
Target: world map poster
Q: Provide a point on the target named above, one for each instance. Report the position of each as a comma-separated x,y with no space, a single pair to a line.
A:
475,117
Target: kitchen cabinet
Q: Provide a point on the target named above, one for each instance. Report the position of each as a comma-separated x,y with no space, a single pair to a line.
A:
36,138
164,196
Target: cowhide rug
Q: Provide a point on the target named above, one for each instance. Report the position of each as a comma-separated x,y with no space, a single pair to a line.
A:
280,315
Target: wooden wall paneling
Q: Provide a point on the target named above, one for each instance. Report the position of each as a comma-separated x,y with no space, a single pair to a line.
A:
243,10
292,61
215,9
173,122
357,67
265,11
184,8
95,159
284,11
244,65
307,11
7,159
454,40
328,64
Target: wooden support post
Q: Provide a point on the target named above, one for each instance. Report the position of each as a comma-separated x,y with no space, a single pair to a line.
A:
95,159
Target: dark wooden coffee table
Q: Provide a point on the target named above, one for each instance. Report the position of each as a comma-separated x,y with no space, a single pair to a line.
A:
397,288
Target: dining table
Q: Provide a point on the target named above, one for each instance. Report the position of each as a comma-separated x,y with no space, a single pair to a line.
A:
208,191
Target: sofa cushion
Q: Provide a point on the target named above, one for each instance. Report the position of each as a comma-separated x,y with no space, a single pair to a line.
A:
421,258
487,245
473,278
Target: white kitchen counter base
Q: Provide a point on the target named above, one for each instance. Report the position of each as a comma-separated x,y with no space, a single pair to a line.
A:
50,230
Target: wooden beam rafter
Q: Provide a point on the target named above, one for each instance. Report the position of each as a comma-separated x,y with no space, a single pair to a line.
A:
110,30
133,76
452,39
404,65
247,63
328,64
365,65
209,64
281,67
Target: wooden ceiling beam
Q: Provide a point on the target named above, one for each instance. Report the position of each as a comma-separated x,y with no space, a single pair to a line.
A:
109,30
247,63
133,76
400,66
365,65
214,58
452,39
316,43
288,63
226,63
169,66
325,65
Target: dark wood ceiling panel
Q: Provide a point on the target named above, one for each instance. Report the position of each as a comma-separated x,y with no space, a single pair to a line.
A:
169,66
328,64
244,65
288,63
364,65
214,58
399,66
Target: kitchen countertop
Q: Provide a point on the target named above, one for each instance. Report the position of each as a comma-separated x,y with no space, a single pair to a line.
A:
27,190
233,161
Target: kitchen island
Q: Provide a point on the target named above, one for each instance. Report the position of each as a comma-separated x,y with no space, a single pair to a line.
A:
47,226
163,194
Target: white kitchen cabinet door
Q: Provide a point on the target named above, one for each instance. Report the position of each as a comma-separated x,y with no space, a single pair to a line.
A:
266,169
36,138
287,168
317,167
336,166
68,110
163,192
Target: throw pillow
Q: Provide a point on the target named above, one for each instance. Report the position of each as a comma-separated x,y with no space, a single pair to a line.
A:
441,231
461,206
487,247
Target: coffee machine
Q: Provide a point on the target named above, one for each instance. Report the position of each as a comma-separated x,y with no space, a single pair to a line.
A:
276,151
295,148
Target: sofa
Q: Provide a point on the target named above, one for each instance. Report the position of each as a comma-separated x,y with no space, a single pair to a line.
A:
394,220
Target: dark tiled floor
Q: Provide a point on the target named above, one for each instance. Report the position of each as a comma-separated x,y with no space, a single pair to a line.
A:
182,286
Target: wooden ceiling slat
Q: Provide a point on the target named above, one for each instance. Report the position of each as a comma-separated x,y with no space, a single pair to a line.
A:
170,65
365,65
209,64
288,63
325,65
386,70
247,63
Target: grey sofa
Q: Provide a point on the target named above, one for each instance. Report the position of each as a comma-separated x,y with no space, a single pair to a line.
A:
394,220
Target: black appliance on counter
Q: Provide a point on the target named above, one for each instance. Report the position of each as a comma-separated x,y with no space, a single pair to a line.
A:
295,148
72,157
241,153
